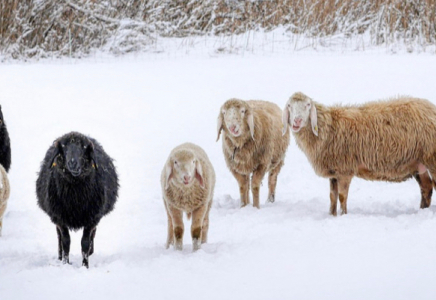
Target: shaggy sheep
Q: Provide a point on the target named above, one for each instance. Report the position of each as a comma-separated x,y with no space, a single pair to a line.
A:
5,144
4,194
387,140
252,144
188,181
76,187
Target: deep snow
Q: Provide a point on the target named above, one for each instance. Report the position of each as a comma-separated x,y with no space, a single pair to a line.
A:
139,108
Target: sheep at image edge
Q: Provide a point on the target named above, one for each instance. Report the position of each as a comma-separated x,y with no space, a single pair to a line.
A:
390,140
253,144
77,185
5,144
5,164
188,182
4,194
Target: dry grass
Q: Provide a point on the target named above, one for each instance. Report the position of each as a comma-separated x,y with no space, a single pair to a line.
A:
75,27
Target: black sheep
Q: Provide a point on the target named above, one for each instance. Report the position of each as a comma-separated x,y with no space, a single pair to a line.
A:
76,187
5,144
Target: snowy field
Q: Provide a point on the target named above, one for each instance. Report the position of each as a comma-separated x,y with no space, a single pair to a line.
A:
139,108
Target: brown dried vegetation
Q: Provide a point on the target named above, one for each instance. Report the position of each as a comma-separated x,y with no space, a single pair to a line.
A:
62,27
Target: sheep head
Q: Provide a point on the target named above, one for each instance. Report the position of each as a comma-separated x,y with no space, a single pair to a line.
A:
183,168
297,112
236,119
74,153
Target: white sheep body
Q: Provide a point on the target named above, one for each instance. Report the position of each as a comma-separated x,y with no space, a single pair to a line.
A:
4,194
260,148
390,140
194,198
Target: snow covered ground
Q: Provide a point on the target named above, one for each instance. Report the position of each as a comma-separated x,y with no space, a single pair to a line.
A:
139,108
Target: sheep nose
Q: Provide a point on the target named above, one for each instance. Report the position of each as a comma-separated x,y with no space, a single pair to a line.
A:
186,178
298,121
72,164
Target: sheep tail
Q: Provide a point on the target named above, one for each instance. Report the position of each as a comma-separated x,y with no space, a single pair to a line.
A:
189,215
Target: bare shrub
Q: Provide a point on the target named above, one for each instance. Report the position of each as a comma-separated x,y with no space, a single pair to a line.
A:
75,27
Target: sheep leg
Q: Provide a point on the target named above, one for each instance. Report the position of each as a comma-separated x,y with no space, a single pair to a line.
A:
333,196
66,241
343,186
170,236
91,250
244,185
86,244
272,182
205,229
256,180
58,231
198,216
2,211
426,187
177,217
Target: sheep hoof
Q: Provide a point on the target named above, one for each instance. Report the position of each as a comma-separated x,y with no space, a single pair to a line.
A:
85,262
66,260
196,245
178,246
271,199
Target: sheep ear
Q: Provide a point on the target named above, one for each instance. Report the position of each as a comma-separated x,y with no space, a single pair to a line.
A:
314,119
168,175
250,121
285,119
219,126
56,152
91,150
199,173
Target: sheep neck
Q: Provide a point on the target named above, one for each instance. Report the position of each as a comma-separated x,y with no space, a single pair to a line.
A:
237,142
307,140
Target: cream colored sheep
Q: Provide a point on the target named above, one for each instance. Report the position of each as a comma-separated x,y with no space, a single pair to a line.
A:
4,194
188,181
252,144
386,140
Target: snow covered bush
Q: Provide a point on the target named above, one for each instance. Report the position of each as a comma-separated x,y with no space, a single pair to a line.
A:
41,28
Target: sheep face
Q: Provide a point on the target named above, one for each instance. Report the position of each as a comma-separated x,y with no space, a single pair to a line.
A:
183,169
236,119
74,156
297,112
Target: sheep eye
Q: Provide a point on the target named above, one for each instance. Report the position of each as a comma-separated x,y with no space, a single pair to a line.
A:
175,162
224,112
243,111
